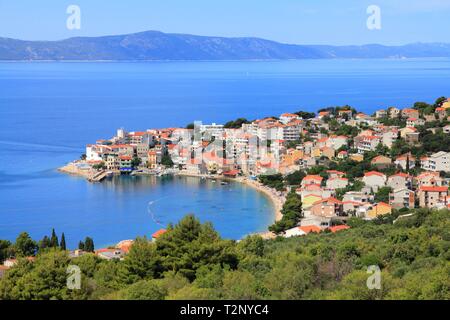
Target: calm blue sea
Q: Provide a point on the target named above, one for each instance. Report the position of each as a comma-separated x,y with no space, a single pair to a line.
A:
49,111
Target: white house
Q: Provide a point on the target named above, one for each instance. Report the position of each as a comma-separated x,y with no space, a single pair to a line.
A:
288,117
294,232
439,161
374,180
337,183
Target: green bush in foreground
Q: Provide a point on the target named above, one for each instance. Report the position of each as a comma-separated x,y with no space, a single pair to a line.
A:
191,261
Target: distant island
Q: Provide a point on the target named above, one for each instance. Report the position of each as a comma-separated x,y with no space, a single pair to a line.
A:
159,46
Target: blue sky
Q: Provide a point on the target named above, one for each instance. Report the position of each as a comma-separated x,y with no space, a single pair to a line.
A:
291,21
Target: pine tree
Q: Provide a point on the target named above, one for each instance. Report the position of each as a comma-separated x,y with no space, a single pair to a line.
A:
54,240
63,242
44,243
89,245
407,164
81,245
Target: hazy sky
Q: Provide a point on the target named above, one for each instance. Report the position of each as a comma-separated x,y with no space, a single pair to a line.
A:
290,21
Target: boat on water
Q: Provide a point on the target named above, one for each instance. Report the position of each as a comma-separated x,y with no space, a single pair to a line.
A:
224,183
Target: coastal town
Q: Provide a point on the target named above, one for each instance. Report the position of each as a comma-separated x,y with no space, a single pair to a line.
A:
340,163
320,170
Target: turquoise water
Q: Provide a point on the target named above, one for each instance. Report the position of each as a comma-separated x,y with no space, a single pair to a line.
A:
49,111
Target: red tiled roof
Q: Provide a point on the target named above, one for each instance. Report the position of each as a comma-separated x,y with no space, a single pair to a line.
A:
383,204
289,115
356,203
373,173
433,189
309,229
336,172
370,137
138,134
125,245
313,177
231,173
312,187
331,199
335,229
159,233
427,174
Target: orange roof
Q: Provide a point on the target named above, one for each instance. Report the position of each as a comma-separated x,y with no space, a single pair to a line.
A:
427,174
231,173
159,233
383,204
336,172
335,229
289,115
125,158
433,189
356,203
380,158
370,137
373,173
309,229
334,200
313,177
125,245
312,187
405,156
138,134
322,139
331,199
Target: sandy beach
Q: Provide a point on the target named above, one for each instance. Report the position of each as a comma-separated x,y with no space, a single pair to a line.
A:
276,199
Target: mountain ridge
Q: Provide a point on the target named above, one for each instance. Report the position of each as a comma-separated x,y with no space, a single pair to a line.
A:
156,45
